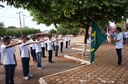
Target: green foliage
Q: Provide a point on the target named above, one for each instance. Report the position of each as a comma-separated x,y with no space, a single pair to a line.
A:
62,29
1,25
78,13
11,27
52,32
17,32
73,12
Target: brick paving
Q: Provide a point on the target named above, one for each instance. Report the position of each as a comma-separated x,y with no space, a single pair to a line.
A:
103,71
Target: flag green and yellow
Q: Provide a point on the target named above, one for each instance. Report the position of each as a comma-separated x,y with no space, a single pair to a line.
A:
97,38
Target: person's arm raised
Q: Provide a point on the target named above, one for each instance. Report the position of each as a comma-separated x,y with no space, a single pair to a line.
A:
41,41
12,45
29,43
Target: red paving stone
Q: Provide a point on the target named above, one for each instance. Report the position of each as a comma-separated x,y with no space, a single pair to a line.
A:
103,71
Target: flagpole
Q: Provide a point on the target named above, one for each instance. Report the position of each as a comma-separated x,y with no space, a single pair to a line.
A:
98,25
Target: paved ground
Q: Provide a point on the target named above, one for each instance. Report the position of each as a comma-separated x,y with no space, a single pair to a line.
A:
103,71
61,64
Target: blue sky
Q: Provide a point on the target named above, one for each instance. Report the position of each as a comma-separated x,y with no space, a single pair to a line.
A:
9,16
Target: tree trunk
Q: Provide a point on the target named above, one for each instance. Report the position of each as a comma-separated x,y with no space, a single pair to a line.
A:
85,40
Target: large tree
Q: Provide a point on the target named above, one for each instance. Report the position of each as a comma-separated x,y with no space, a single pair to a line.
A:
78,13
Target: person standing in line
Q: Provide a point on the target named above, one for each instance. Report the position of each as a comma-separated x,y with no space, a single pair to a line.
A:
43,48
126,33
50,49
0,56
118,39
61,43
32,49
53,45
10,62
69,40
56,45
25,57
124,37
66,39
20,41
39,51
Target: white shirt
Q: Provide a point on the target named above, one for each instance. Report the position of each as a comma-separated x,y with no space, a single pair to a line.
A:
120,43
126,33
49,43
0,48
24,51
56,42
38,47
61,40
8,55
69,38
42,44
32,45
66,38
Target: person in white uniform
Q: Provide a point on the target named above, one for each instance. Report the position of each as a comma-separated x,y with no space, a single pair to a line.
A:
0,55
39,51
25,57
50,49
61,43
66,39
118,39
43,47
56,44
33,49
10,63
69,40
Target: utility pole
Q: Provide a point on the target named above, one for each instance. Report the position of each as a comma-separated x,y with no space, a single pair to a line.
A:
19,13
23,20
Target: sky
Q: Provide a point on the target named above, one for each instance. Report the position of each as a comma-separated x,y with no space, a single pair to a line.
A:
9,16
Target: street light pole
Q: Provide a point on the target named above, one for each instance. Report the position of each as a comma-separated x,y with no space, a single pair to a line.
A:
23,20
19,13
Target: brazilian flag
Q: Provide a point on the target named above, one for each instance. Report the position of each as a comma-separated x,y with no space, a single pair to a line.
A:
97,38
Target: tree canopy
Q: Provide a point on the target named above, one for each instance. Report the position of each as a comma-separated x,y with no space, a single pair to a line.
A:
11,27
78,13
73,12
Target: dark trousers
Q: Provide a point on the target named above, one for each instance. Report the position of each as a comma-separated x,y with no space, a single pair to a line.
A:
25,65
69,42
50,55
43,51
56,50
39,57
53,46
61,46
46,46
66,44
33,54
9,73
119,54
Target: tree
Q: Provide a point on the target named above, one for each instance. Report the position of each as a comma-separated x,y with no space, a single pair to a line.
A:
1,25
11,27
52,32
78,13
17,32
62,29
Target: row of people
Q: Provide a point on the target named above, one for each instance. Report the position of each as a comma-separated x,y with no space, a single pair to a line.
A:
37,47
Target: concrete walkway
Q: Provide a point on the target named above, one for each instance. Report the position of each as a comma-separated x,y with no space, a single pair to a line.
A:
103,71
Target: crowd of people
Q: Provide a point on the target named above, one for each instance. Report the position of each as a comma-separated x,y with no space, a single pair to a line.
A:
36,46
